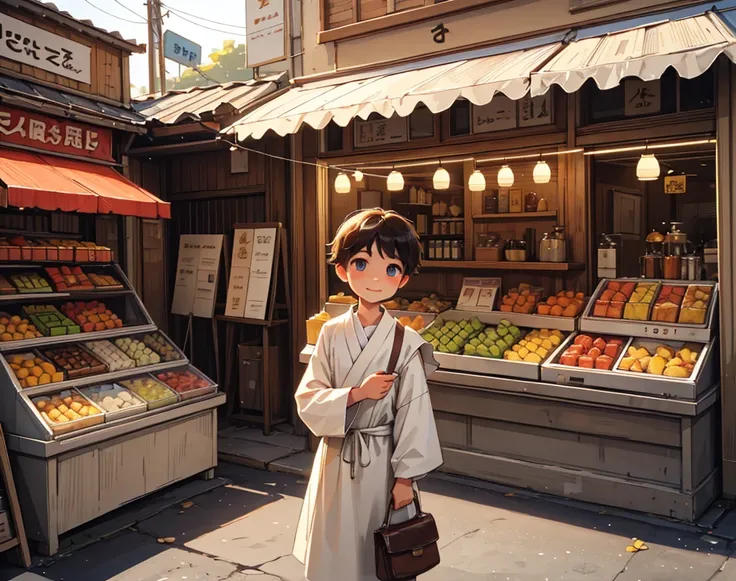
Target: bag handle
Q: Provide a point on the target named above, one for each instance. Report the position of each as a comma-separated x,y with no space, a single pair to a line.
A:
396,349
387,520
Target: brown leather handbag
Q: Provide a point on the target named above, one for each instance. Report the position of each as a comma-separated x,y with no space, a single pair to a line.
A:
405,550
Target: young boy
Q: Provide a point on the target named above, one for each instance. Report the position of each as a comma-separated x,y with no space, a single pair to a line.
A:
378,431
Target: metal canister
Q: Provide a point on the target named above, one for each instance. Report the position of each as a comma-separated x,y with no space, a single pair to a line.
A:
694,265
447,254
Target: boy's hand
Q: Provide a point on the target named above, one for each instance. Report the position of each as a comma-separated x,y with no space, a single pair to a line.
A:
376,386
403,493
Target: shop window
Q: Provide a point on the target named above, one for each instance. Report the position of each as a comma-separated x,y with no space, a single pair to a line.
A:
333,138
421,123
698,93
460,118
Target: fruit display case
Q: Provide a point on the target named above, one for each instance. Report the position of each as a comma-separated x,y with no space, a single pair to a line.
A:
86,342
620,377
670,309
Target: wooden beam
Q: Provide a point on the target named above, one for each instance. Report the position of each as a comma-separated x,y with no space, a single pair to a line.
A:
208,127
229,193
177,148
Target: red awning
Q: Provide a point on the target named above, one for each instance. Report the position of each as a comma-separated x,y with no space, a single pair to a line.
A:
51,183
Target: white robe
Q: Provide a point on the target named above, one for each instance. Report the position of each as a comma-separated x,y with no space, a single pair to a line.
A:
394,437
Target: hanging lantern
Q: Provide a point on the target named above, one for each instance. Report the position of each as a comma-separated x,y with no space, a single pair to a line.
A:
542,174
477,182
505,177
395,181
358,175
647,169
342,184
441,179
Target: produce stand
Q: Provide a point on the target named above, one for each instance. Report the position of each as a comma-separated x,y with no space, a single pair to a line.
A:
81,442
639,441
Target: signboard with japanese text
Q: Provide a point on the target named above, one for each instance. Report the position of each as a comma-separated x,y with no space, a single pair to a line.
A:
642,97
237,289
27,44
675,184
41,132
535,111
478,294
381,131
250,272
195,289
180,50
265,32
498,115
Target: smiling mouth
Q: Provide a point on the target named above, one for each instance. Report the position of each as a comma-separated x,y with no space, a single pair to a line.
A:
373,290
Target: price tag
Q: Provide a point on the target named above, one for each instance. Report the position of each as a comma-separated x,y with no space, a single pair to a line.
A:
660,331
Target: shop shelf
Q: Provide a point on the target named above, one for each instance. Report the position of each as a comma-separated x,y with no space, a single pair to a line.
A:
503,265
96,394
551,215
487,366
532,321
170,396
702,378
59,429
652,329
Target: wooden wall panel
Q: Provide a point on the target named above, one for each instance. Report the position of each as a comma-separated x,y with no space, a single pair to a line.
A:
209,172
106,63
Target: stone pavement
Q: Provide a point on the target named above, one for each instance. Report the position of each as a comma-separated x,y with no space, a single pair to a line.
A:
243,531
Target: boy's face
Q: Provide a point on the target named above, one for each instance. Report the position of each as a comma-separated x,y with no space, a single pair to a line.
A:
374,278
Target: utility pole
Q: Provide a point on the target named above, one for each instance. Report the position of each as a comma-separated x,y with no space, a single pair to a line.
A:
156,66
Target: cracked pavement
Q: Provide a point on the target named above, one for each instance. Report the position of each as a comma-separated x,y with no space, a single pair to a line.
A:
243,531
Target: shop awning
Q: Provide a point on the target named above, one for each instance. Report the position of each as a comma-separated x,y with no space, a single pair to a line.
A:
689,45
49,183
397,91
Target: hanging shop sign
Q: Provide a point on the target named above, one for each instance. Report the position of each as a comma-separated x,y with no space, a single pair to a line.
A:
534,111
29,45
642,97
381,131
503,113
675,184
41,132
265,32
181,50
197,268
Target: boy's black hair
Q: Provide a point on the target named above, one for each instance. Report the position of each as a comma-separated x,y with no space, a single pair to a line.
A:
393,234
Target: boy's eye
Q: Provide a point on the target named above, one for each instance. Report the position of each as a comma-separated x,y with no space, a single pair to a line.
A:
360,264
392,270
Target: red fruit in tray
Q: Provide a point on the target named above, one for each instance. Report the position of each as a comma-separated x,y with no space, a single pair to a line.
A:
99,326
628,289
619,297
77,270
679,291
586,361
611,350
88,327
616,341
600,343
594,352
604,362
607,295
614,286
569,358
600,309
577,349
118,323
615,310
585,340
65,270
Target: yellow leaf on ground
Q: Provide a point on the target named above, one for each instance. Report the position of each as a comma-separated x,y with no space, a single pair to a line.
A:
187,504
639,545
631,549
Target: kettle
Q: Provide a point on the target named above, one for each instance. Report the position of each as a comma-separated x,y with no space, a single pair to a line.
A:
553,247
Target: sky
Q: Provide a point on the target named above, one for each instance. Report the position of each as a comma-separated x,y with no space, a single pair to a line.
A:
115,14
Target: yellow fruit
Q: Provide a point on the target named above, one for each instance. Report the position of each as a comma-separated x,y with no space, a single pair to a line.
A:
62,408
22,328
22,373
542,352
533,358
31,381
547,344
665,352
62,419
516,347
84,411
641,353
28,363
36,371
532,347
54,414
684,354
10,329
537,341
15,366
512,356
676,371
555,340
57,377
48,368
656,365
644,362
17,336
41,404
16,359
675,362
523,352
76,406
626,363
15,320
636,367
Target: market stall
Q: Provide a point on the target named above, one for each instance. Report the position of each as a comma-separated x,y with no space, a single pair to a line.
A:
98,405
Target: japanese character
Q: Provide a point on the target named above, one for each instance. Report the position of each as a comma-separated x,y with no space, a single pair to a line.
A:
90,141
5,123
177,48
73,137
66,61
32,49
184,52
52,56
37,130
263,3
54,136
439,33
12,40
192,56
543,110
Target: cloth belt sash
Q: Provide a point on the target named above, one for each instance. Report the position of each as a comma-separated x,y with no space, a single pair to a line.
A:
355,447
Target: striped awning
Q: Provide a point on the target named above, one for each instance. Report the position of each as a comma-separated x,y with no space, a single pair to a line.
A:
689,45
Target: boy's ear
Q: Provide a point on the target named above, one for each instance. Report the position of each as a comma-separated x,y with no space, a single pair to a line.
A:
404,280
342,274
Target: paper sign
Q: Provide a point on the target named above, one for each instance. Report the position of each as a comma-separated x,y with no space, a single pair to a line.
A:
675,184
195,290
266,40
478,294
237,289
259,284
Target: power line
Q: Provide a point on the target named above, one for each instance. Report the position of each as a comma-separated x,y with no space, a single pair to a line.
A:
201,17
131,11
113,15
174,13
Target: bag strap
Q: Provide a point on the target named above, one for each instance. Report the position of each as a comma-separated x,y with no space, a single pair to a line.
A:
387,520
396,349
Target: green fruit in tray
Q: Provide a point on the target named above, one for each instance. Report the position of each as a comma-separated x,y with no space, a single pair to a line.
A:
149,389
165,350
49,321
30,283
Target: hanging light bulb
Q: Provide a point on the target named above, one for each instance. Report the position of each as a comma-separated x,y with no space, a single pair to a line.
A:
647,169
358,175
395,181
505,177
542,174
477,182
342,184
233,148
441,179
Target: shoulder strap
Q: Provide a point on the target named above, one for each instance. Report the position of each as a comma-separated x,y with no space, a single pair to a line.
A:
396,349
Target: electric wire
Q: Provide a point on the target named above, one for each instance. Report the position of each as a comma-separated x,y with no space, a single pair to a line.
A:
175,13
179,10
118,2
113,15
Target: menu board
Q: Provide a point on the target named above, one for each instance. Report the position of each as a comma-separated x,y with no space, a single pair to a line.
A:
197,270
478,294
250,273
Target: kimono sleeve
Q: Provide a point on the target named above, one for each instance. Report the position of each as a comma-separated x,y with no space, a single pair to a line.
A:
416,443
321,406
